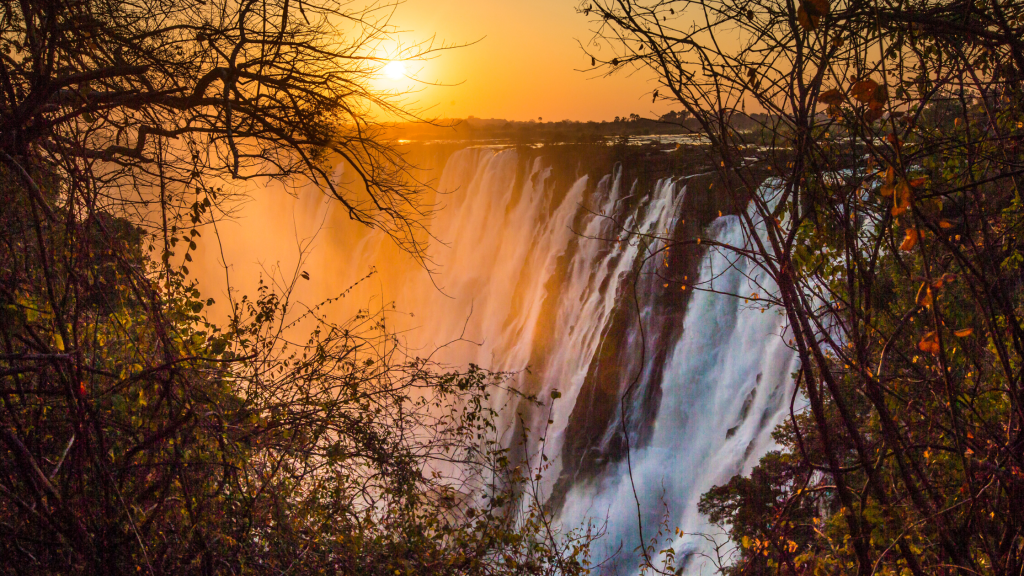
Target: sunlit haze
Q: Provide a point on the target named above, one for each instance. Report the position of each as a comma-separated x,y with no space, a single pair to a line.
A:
527,63
395,70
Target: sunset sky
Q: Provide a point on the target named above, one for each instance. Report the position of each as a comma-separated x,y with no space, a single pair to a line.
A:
526,64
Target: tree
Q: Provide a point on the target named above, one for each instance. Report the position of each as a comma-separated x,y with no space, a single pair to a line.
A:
886,210
675,117
137,435
169,97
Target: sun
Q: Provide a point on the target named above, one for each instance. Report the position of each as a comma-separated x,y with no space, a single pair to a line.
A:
395,70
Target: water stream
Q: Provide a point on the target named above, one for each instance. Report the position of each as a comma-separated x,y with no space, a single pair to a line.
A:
533,270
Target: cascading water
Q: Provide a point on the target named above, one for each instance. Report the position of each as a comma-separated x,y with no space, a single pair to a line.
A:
725,387
535,269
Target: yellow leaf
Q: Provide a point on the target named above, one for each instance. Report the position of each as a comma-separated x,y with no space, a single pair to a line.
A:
964,332
59,342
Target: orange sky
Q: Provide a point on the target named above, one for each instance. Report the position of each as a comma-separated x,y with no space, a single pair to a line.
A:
524,67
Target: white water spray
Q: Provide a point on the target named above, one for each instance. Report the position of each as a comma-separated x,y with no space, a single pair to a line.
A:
526,279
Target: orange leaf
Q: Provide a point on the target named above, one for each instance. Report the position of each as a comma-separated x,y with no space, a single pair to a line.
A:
890,176
918,182
930,343
806,20
901,199
831,97
949,278
964,332
887,190
864,90
924,295
910,240
817,7
945,224
880,96
904,192
810,12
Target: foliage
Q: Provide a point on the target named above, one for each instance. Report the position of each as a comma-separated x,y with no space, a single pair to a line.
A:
892,227
138,436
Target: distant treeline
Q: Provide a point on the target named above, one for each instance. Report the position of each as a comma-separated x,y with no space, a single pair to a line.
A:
566,130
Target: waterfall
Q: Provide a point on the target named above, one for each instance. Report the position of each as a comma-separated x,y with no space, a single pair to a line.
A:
533,271
726,386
